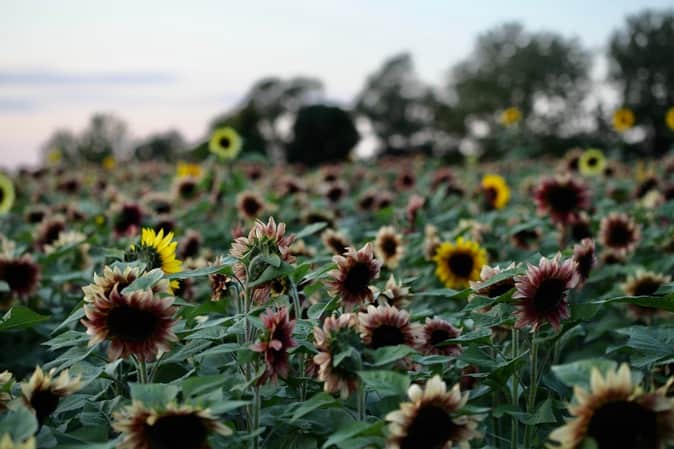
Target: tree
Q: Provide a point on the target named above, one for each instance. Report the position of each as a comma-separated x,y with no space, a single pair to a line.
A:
397,104
160,147
641,56
543,74
322,134
65,142
105,135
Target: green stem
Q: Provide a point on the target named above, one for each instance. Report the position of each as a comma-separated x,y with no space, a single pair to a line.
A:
142,371
257,405
362,403
533,386
515,391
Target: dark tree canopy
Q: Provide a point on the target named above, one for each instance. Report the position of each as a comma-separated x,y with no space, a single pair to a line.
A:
510,66
397,103
321,134
165,146
642,64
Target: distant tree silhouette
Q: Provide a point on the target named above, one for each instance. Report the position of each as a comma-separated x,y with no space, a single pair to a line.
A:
642,64
165,146
321,134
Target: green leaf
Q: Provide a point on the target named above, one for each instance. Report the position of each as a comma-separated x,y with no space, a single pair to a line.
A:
353,430
389,354
665,302
19,423
271,273
153,395
4,287
578,373
543,415
386,383
201,272
20,317
145,282
310,230
318,400
195,386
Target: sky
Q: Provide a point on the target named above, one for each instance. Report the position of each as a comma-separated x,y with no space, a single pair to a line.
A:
176,64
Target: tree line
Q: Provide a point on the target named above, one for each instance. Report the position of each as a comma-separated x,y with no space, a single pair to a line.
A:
544,75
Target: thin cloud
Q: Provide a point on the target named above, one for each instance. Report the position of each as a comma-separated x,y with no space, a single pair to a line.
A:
13,105
56,78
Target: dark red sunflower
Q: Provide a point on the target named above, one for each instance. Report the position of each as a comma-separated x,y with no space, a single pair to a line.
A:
277,338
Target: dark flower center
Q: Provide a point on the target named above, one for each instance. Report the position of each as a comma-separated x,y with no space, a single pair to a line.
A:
580,230
224,142
191,248
592,161
2,195
162,207
624,424
407,180
549,294
335,193
585,262
367,202
562,198
619,234
431,428
132,324
52,232
34,216
357,278
490,194
646,287
525,237
20,275
573,163
44,402
177,432
500,288
387,335
389,246
251,206
439,335
337,245
128,217
461,264
187,188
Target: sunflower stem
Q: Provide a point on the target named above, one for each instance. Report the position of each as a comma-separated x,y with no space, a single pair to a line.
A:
142,371
515,390
362,401
533,386
257,405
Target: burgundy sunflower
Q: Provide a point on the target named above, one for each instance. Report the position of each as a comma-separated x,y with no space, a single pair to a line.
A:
543,290
22,275
394,293
250,205
171,427
138,323
619,234
431,419
337,333
389,247
434,333
335,241
388,326
43,391
644,283
351,280
585,258
562,198
496,289
128,219
276,339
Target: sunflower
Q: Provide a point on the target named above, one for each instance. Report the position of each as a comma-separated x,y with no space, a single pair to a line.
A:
170,427
351,279
592,162
159,251
115,276
109,162
250,205
561,197
188,169
644,283
388,246
623,119
49,231
669,118
190,245
185,188
510,116
571,160
139,323
6,382
276,339
431,241
6,442
335,241
431,419
388,326
7,194
617,414
394,293
494,290
542,292
43,391
619,234
225,143
496,191
22,275
127,219
585,258
337,334
459,263
433,335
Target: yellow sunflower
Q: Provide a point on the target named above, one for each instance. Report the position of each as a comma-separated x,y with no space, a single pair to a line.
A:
225,143
459,263
592,162
511,116
188,169
623,119
6,194
669,118
496,191
6,442
159,251
55,156
109,163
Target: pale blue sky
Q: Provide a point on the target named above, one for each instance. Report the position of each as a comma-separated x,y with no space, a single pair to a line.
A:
161,64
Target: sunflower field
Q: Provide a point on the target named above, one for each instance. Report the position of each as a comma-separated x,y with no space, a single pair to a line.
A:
399,304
